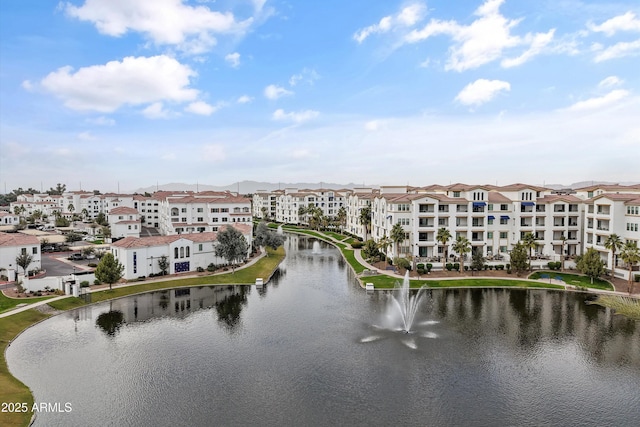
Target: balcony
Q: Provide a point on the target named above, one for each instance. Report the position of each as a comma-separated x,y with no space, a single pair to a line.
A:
558,208
540,208
462,208
423,223
477,223
426,209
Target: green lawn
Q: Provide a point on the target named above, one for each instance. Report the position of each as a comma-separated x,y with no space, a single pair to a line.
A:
575,280
7,303
11,389
387,282
67,303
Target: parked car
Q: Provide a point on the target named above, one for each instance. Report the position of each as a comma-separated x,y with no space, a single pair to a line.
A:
48,248
90,256
76,256
88,238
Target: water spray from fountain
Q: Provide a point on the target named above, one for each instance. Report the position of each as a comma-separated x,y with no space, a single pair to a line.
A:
403,305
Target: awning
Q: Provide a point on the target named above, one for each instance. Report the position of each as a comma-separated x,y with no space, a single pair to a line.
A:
528,204
504,216
491,217
479,204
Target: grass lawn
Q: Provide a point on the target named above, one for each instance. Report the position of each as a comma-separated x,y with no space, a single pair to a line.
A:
7,303
575,280
12,390
335,235
351,259
387,282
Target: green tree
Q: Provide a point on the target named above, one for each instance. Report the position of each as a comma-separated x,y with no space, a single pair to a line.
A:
590,264
73,237
529,242
302,214
397,236
106,232
101,219
266,237
383,243
60,188
264,211
365,219
341,216
462,246
613,243
518,258
630,255
477,261
443,236
24,260
19,210
61,221
109,270
231,246
370,250
163,264
85,213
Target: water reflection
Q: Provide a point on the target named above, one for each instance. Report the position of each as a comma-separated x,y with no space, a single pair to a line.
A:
110,322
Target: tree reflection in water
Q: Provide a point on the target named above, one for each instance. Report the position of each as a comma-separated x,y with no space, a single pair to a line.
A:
110,322
230,307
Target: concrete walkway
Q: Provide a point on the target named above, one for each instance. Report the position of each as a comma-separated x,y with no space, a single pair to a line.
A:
125,285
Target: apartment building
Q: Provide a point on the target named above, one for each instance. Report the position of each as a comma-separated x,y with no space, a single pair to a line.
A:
13,245
265,203
290,200
124,222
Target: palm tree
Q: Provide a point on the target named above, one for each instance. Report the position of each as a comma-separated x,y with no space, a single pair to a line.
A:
264,210
529,242
85,213
462,246
443,237
563,238
630,255
24,260
613,243
70,208
342,218
302,212
397,236
384,243
365,219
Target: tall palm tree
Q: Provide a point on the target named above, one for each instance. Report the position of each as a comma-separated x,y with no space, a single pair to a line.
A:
24,260
529,242
365,219
397,236
443,236
302,212
630,255
613,243
563,238
342,218
462,246
384,243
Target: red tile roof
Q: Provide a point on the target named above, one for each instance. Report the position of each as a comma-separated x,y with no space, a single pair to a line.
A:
123,210
17,239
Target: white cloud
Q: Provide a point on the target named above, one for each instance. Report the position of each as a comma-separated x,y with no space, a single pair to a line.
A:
233,59
156,111
297,117
244,99
275,92
213,152
202,108
307,75
86,136
372,125
484,40
164,22
407,17
27,85
599,102
101,121
626,22
610,81
481,91
132,81
618,50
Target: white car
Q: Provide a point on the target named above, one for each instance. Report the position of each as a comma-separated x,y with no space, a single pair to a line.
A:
88,238
90,256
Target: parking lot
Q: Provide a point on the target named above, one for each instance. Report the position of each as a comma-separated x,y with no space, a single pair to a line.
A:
57,264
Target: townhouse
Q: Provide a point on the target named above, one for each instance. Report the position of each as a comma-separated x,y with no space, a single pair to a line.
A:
124,222
13,245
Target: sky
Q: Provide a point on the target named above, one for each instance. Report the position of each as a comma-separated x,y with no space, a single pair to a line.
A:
108,94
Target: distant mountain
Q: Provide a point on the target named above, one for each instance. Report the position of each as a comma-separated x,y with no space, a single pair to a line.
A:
582,184
244,187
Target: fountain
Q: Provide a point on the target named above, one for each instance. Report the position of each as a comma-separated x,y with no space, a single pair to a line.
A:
279,231
402,308
316,247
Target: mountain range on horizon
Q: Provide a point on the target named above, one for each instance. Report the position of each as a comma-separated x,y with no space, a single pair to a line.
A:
249,187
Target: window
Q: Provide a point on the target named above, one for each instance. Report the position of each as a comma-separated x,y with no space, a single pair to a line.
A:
504,234
503,249
175,252
404,208
403,221
504,207
589,194
490,207
200,209
200,247
183,210
225,219
504,221
184,219
129,227
456,194
489,234
24,251
181,252
34,250
224,209
215,210
200,219
490,221
188,251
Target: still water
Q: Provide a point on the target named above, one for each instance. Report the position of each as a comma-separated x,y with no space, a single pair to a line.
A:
308,350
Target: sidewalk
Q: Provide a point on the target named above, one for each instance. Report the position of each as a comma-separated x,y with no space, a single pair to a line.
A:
124,285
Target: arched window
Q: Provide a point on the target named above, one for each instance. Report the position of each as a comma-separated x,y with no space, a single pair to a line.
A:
181,252
188,250
175,252
174,211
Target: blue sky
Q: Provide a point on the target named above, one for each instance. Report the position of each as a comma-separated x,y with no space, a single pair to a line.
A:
108,92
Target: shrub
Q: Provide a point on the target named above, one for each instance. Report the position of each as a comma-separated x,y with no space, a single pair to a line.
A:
402,263
96,282
558,265
420,266
449,266
211,267
456,266
84,284
200,270
636,277
466,268
429,267
421,271
508,266
356,245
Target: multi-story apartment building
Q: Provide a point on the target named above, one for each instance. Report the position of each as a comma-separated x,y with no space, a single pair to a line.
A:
357,200
265,203
199,212
124,222
289,201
